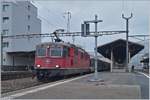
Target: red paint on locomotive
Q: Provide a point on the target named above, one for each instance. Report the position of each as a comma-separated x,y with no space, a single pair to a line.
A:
61,56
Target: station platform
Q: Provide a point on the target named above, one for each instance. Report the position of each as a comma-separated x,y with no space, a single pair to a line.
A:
114,86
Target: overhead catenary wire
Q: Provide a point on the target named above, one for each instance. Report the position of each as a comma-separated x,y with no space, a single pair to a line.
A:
42,17
61,34
47,21
123,6
127,6
50,11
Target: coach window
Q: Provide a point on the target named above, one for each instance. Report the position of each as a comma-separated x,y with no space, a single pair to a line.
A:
41,52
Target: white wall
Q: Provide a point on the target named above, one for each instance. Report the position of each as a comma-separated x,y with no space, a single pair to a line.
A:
18,24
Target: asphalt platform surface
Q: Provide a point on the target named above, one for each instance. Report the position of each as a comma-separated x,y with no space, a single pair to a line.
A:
115,85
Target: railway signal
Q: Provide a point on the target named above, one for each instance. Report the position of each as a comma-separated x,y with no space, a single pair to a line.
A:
85,32
85,29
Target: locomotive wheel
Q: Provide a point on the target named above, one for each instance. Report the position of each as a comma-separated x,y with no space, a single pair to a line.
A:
39,78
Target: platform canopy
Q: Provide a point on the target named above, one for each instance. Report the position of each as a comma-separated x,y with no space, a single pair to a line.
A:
23,53
118,47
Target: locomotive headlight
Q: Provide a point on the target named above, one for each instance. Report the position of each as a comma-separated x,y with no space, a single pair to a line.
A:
38,66
57,66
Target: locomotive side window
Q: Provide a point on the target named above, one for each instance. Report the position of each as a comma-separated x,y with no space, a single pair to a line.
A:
41,51
56,51
76,51
81,55
65,51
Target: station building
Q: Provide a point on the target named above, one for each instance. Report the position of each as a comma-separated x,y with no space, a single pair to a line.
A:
19,18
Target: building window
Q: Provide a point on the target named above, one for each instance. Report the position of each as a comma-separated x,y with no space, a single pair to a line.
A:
5,19
4,59
28,27
28,17
5,32
5,7
5,44
29,7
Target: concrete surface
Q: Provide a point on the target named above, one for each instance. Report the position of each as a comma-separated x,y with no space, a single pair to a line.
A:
86,91
115,86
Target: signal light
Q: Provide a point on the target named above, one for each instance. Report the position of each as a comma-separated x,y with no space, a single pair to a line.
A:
85,29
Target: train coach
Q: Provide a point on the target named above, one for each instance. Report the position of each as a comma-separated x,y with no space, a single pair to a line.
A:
103,65
60,59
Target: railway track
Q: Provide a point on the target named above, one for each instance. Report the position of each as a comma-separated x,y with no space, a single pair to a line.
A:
10,75
22,83
17,84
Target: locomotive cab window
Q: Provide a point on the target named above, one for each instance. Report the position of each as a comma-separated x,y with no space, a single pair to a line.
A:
41,52
56,51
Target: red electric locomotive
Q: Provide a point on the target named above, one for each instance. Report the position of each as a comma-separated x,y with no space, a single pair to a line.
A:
60,59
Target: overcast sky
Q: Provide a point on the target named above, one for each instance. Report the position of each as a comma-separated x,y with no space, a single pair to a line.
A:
51,13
